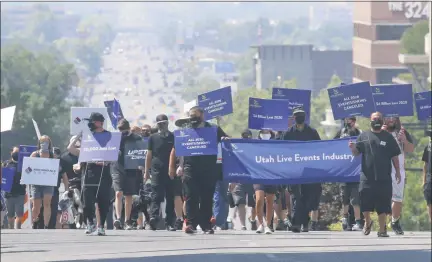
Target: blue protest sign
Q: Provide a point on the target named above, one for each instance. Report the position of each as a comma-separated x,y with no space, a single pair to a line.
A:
295,97
423,105
268,113
135,153
8,174
216,103
224,67
196,141
23,152
278,162
351,100
393,99
115,112
102,146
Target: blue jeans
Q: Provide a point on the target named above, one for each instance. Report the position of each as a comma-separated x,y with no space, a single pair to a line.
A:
220,203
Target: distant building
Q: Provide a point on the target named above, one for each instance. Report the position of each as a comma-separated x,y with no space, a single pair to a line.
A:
311,68
378,28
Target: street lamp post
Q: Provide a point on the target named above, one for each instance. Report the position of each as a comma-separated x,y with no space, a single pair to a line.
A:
329,124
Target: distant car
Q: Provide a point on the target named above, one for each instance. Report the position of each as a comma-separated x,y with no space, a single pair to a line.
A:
120,51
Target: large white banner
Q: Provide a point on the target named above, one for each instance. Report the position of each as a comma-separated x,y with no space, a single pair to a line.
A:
40,171
7,117
77,122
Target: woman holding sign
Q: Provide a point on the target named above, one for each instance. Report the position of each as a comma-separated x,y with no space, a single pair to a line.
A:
42,194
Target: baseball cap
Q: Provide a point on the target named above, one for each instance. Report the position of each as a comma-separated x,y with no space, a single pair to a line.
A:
298,109
95,116
161,118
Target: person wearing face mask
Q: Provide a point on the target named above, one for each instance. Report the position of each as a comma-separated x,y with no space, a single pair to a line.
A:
42,194
350,194
265,195
405,142
124,180
15,198
379,151
243,193
146,131
159,148
96,184
306,197
199,179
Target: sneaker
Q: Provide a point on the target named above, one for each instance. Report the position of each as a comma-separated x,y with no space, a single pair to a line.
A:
230,225
295,229
253,224
128,226
117,224
178,224
271,228
280,225
35,225
305,228
260,229
101,231
357,227
90,229
268,231
243,228
198,228
288,223
397,228
171,228
209,231
345,225
314,226
189,230
383,234
153,223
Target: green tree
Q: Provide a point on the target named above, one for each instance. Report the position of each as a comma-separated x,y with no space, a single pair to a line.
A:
43,24
38,86
413,39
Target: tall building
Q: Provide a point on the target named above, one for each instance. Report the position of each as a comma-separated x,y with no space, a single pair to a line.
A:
378,28
311,68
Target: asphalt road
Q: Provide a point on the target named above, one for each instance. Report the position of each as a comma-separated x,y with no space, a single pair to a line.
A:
226,246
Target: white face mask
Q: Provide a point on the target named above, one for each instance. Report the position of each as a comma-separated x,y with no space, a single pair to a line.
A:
265,136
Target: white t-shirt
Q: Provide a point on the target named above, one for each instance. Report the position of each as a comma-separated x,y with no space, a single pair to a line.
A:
401,156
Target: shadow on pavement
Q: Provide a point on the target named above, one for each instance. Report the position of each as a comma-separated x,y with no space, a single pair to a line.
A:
360,256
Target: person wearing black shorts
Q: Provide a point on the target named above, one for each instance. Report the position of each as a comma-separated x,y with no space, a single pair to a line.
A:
124,180
379,151
427,180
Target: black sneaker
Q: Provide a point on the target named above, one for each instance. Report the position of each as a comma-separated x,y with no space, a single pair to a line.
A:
383,234
190,229
314,226
128,225
295,229
178,224
397,228
117,224
209,231
280,226
305,228
271,228
153,223
35,225
253,224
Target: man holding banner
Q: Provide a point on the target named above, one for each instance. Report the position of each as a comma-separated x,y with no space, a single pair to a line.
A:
199,168
379,151
305,197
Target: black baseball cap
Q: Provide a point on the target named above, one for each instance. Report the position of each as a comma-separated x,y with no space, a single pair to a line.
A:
298,109
95,116
161,118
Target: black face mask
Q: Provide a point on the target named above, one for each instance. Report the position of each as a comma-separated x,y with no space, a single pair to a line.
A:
195,120
162,126
246,136
15,156
300,119
376,124
145,134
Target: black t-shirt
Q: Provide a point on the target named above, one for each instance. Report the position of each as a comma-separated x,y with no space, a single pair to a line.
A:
377,150
307,134
160,146
203,163
17,189
427,159
347,132
67,160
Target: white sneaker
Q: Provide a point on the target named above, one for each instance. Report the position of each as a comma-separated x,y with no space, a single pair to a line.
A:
198,227
267,230
357,227
260,229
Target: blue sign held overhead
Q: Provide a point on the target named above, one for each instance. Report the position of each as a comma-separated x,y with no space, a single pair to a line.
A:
351,100
423,105
393,99
276,162
8,174
23,152
295,97
268,113
196,141
115,112
216,103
